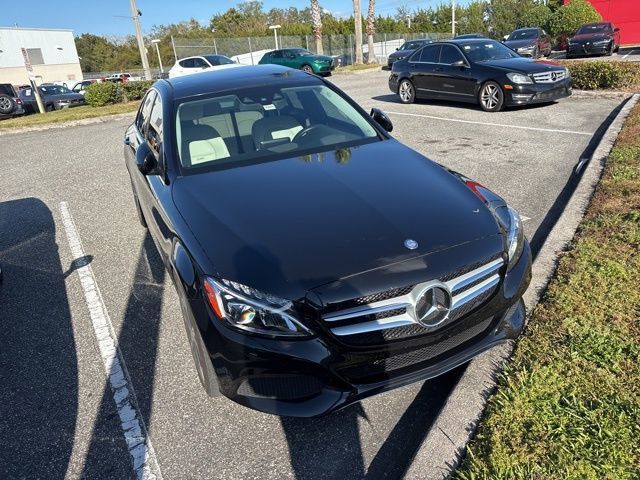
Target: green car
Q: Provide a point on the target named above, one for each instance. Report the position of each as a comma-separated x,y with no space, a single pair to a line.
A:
301,59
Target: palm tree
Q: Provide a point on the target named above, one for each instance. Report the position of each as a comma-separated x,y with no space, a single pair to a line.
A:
357,18
371,29
317,26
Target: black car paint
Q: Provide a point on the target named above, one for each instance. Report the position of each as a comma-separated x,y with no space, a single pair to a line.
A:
584,44
316,233
462,83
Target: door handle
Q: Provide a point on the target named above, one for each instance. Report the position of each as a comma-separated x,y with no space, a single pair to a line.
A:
439,69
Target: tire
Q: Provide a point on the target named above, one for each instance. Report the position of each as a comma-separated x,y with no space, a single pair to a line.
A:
204,367
7,104
49,108
406,91
307,68
491,97
610,51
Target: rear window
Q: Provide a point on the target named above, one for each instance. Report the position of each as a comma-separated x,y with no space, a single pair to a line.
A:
7,89
259,123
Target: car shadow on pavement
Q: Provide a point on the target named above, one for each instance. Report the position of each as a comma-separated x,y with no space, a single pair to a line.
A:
138,340
315,453
38,359
393,98
560,203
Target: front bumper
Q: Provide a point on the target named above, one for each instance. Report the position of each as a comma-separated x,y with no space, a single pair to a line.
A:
318,375
538,93
584,49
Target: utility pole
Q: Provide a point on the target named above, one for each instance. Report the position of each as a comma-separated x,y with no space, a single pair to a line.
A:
135,15
453,18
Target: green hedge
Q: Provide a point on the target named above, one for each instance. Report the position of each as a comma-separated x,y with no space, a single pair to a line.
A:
101,94
135,90
590,75
108,93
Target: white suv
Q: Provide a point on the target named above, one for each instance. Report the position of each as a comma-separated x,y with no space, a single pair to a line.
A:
189,65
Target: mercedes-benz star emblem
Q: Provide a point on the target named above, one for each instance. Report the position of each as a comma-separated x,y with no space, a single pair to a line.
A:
410,244
433,306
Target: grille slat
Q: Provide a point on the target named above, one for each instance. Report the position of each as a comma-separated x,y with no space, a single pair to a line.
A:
391,314
550,77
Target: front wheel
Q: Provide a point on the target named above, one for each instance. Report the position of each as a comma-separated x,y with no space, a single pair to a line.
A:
491,98
307,69
406,91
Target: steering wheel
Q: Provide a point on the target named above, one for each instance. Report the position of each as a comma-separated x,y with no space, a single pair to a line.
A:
305,132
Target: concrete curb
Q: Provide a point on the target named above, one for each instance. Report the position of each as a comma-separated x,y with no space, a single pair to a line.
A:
444,446
72,123
377,68
601,93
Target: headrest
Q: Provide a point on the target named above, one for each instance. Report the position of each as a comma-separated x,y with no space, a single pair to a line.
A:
191,111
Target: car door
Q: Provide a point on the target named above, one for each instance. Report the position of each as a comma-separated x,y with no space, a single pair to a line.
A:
452,76
422,65
277,57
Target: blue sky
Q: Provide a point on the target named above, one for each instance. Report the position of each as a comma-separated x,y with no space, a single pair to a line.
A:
101,16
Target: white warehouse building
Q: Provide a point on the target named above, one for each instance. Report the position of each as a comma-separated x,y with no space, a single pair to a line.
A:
52,54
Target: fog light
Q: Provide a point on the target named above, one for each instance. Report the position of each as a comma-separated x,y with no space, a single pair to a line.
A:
521,97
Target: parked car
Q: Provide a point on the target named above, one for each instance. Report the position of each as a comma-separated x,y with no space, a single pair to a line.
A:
122,78
10,102
189,65
54,97
406,49
301,59
81,87
529,42
602,38
470,35
317,260
479,71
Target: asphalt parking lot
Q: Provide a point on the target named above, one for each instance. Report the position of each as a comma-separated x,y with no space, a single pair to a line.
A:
57,414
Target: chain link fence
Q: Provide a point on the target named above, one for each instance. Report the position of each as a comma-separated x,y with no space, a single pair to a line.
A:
249,50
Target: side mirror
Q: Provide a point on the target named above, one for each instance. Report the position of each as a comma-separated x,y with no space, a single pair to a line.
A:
459,63
397,49
617,29
145,160
382,119
504,39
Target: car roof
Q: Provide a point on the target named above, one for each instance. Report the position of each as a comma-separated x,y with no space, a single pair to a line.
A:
457,41
237,77
596,23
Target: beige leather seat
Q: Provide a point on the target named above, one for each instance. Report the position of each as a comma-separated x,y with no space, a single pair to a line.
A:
200,143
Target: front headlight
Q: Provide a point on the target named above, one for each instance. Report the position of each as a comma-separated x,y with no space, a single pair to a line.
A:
248,309
512,225
519,78
527,48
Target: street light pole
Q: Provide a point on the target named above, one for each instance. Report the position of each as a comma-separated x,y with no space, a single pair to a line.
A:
135,15
156,42
275,33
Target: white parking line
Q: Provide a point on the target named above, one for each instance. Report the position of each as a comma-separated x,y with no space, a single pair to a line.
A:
632,51
433,117
145,463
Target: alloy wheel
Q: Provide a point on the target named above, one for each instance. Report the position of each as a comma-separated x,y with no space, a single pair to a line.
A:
490,97
307,68
406,91
5,104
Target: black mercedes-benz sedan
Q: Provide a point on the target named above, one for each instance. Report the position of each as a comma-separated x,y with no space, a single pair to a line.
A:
317,260
479,71
602,38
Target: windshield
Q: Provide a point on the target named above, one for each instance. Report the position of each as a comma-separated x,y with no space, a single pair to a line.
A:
54,89
299,51
595,28
262,122
487,51
218,60
523,34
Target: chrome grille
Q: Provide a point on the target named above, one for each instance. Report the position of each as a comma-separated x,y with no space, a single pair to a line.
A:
397,313
550,77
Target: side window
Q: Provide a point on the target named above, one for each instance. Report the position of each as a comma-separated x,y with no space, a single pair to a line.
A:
200,63
430,54
145,108
186,63
154,132
450,54
277,54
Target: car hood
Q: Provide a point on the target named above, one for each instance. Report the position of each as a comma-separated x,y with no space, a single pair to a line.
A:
590,37
513,44
524,65
320,58
287,226
400,53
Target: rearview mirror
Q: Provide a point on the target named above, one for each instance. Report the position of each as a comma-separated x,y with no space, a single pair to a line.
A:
382,119
145,160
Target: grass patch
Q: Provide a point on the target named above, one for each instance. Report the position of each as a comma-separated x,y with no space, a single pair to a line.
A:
567,404
68,115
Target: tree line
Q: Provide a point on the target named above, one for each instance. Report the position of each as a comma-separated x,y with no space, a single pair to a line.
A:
493,18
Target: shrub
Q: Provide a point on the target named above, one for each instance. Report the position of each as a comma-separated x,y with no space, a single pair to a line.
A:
536,16
604,74
101,94
571,16
135,90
